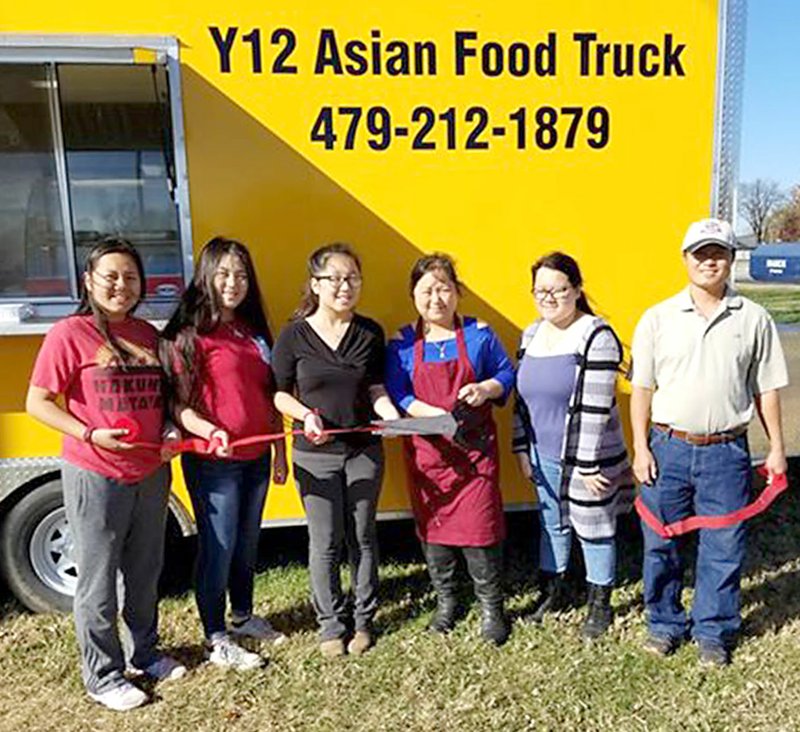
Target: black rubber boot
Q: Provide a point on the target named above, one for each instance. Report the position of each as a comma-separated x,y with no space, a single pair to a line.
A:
442,562
600,614
485,565
552,596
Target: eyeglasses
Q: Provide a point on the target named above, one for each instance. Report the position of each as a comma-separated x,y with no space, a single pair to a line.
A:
560,293
337,281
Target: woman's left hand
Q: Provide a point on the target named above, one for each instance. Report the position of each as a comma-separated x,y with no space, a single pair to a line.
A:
597,484
473,394
280,467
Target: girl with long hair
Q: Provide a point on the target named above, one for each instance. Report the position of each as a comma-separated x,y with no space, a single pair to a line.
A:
329,363
104,362
218,355
568,437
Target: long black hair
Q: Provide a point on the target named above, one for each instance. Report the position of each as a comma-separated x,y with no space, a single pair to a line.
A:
568,266
87,304
199,312
309,301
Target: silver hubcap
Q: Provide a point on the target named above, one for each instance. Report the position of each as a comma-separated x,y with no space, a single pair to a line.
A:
52,554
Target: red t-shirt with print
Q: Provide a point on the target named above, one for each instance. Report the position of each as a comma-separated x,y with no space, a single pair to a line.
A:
235,386
76,361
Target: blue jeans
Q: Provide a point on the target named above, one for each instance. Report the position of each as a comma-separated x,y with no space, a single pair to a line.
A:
228,499
709,480
555,539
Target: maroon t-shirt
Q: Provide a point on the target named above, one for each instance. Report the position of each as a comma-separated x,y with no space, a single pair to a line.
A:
76,361
235,384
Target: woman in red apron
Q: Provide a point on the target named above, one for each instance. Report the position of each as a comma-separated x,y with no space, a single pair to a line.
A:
446,363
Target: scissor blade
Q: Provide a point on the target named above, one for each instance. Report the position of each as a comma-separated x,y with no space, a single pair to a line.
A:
444,425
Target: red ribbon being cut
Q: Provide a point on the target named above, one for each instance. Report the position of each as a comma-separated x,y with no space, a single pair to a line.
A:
776,484
444,425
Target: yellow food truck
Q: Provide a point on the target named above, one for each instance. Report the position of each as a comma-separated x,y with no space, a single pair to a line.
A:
492,131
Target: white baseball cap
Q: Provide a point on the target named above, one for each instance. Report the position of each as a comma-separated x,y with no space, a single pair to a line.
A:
708,231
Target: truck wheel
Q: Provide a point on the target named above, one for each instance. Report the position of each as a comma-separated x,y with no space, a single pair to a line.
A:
36,553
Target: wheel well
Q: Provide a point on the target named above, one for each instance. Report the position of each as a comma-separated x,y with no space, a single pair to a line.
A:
12,499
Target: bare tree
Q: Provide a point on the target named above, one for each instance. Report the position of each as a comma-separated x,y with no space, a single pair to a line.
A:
787,218
758,202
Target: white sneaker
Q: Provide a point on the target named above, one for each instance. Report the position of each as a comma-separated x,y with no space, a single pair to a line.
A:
258,627
121,698
226,652
164,668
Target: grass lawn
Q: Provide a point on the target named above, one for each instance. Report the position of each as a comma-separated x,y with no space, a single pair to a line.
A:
545,678
782,301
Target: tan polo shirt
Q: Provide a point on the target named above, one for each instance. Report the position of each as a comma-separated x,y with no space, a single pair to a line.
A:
705,373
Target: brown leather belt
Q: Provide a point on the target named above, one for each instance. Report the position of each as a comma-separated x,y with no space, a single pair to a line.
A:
700,440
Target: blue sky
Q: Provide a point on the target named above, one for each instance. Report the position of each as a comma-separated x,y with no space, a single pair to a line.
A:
771,108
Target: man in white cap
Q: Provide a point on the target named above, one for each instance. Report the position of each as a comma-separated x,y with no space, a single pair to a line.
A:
702,361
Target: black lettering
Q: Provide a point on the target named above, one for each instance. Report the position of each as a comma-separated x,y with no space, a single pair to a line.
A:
254,39
545,56
376,52
425,58
100,386
224,46
623,66
328,53
462,51
106,404
355,51
492,66
585,41
398,64
672,57
603,49
646,67
519,59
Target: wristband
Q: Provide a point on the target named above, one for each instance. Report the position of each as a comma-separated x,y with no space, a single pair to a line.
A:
87,434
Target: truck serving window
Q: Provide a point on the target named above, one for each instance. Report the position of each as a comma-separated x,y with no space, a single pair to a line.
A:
86,151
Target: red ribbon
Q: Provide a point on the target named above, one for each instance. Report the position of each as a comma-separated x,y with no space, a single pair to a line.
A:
208,447
776,484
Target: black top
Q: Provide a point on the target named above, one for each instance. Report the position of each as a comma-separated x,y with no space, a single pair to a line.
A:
334,382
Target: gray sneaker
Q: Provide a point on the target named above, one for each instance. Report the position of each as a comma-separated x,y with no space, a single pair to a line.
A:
226,652
259,628
163,668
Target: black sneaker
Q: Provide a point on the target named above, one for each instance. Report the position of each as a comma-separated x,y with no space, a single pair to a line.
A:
661,645
714,655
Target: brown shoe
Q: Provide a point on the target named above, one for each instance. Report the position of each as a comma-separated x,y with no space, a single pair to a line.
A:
360,643
332,648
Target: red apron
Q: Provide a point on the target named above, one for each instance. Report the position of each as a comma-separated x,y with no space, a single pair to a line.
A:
455,493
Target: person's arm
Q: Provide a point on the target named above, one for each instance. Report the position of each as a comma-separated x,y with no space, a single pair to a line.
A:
644,464
292,407
41,405
768,405
381,403
495,365
198,425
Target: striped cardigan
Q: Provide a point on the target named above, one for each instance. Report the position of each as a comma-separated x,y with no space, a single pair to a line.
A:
593,440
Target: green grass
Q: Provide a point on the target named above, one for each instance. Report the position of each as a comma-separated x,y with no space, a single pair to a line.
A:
545,678
783,302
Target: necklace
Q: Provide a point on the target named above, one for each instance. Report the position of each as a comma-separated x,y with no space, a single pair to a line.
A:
440,345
